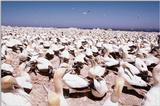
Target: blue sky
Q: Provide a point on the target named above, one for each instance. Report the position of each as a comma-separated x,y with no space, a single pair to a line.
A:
118,15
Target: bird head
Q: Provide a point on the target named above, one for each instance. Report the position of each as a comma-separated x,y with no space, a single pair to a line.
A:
8,82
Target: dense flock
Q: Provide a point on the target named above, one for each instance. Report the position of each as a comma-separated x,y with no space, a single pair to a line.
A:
79,61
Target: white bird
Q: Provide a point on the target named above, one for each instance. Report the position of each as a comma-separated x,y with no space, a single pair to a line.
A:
49,53
13,42
96,71
23,56
42,67
131,78
65,54
110,61
24,80
3,50
153,95
57,96
74,81
43,64
53,98
150,59
30,49
94,49
15,97
139,63
9,82
108,47
55,47
46,44
42,60
109,102
127,57
100,87
113,99
78,44
131,67
99,44
89,52
80,58
7,67
34,57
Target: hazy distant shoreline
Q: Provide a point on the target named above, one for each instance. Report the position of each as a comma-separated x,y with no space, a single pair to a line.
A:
89,28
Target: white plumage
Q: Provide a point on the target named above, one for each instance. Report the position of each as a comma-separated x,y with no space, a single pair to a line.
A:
100,88
89,52
131,67
130,77
94,49
109,47
43,64
15,98
42,60
7,67
74,81
80,58
46,44
3,50
24,81
96,71
108,102
139,63
65,54
110,61
150,59
13,42
50,51
152,97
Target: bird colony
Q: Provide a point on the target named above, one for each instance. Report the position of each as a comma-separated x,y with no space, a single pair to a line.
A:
79,67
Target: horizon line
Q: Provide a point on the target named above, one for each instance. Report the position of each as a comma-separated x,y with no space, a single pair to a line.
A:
78,27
